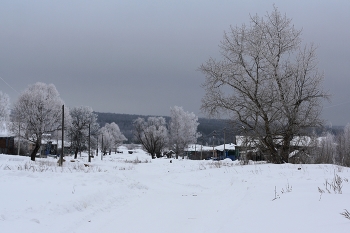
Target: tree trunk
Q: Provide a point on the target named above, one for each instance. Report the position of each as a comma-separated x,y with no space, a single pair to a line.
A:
271,148
158,155
76,153
36,149
177,151
286,149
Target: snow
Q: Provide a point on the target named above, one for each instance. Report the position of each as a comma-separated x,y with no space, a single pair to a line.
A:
132,193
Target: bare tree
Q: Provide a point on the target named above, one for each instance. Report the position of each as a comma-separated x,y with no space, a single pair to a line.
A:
78,131
39,110
267,81
152,134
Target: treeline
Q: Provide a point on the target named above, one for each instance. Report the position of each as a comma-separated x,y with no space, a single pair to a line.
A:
206,126
221,129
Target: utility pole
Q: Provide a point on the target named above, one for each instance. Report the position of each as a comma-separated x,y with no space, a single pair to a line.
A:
89,145
62,152
195,150
201,151
57,143
213,142
224,144
102,148
97,147
19,136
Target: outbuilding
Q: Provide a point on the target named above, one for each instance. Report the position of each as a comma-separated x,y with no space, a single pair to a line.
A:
7,144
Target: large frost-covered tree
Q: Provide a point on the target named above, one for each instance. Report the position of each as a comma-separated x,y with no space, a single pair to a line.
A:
112,137
4,110
267,81
182,129
78,131
152,134
39,110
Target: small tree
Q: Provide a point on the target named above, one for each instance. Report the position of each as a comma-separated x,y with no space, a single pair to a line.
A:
4,110
152,134
39,110
78,131
105,139
112,137
182,129
326,148
344,146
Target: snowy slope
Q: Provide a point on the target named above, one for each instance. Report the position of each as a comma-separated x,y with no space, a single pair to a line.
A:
132,193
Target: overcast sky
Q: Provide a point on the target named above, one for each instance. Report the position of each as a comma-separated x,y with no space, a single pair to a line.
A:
142,57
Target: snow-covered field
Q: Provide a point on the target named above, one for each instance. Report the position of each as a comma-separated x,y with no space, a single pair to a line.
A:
132,193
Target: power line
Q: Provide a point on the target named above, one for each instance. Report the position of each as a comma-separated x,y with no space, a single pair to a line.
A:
334,105
9,85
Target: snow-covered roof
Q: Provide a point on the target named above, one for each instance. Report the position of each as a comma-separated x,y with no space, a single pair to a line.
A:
296,141
197,147
54,142
5,135
230,146
300,141
244,141
4,132
293,153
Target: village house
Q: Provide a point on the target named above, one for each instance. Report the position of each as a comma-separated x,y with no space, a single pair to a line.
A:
227,151
248,148
200,152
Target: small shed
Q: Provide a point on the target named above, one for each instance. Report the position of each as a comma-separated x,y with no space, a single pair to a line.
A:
7,144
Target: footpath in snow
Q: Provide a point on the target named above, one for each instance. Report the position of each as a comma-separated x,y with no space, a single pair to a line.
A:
132,193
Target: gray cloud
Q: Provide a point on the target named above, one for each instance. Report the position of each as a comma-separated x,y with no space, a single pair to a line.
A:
141,57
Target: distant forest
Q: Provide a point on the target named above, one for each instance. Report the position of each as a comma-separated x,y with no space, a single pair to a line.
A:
213,131
210,129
